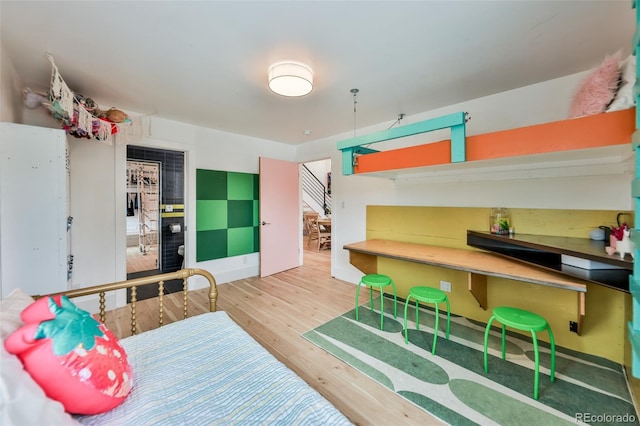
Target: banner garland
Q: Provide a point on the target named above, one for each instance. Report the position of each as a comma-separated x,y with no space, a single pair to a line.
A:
80,116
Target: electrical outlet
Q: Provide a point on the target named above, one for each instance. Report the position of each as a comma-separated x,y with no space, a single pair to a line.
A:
445,286
573,326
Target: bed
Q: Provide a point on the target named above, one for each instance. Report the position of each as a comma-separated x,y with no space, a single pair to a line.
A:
203,369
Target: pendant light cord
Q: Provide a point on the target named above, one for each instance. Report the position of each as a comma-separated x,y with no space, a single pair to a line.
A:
355,101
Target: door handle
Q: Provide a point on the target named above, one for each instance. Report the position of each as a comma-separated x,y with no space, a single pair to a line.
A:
265,223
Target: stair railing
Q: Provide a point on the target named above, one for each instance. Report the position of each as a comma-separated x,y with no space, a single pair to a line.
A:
316,189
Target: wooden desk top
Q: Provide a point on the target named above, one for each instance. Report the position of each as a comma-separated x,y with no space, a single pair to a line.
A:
466,260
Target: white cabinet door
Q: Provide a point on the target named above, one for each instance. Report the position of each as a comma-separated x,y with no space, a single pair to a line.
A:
33,213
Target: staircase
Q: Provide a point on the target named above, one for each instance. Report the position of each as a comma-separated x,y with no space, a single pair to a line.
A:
316,196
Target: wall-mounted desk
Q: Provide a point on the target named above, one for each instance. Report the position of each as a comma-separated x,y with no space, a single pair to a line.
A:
479,265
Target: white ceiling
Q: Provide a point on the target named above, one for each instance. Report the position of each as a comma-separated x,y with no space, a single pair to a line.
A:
205,62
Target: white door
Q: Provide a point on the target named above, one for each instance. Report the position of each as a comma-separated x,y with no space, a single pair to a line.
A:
33,210
279,216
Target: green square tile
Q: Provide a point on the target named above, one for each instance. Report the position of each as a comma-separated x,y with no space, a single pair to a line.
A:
241,241
256,187
240,186
211,185
256,213
256,238
211,214
240,213
211,245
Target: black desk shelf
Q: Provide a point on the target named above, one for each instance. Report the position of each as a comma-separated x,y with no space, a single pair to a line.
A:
546,252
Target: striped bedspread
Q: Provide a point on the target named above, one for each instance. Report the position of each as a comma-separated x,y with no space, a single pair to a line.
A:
206,370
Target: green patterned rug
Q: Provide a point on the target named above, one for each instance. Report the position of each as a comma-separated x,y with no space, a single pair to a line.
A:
453,386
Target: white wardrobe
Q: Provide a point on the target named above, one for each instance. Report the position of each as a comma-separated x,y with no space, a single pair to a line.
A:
34,223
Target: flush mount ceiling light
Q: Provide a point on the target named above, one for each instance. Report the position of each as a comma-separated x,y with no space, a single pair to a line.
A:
290,78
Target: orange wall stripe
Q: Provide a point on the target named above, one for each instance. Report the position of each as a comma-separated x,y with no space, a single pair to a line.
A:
414,156
607,129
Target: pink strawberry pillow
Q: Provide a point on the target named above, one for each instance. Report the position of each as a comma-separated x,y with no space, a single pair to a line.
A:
72,356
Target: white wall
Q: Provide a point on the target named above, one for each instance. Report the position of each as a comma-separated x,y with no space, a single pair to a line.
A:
225,151
98,190
563,181
97,177
10,88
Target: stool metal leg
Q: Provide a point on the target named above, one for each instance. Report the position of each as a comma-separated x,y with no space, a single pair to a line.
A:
381,309
406,330
371,298
536,378
486,344
435,330
504,342
448,316
417,315
357,294
553,353
395,300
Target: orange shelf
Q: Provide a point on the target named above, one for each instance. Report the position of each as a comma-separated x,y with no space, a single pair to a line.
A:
606,129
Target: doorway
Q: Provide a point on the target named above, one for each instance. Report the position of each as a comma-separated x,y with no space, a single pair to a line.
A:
166,242
143,216
316,202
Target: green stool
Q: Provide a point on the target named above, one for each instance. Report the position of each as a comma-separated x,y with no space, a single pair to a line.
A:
427,295
379,281
525,321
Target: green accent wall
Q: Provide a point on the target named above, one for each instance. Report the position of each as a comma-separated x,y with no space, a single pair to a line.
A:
227,215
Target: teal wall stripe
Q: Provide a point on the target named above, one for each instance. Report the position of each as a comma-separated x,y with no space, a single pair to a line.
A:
635,187
634,287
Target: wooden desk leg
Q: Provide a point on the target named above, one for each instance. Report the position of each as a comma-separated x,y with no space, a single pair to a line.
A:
366,263
478,288
582,310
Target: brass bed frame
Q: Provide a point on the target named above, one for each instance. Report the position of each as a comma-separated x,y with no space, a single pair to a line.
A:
134,283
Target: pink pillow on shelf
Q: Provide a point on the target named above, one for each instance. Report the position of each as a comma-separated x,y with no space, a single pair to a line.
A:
598,89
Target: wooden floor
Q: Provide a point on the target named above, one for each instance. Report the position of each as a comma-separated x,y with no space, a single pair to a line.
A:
276,310
138,262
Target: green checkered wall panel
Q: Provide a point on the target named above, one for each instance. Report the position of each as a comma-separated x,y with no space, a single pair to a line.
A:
211,214
227,214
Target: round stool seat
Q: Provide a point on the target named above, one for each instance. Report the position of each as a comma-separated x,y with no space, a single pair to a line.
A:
376,280
427,294
379,281
520,319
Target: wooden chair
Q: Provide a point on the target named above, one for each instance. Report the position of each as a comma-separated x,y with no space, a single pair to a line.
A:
321,237
306,221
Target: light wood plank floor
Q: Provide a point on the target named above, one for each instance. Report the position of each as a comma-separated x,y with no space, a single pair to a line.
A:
276,310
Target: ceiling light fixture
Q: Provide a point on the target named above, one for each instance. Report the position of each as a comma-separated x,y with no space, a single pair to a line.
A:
290,78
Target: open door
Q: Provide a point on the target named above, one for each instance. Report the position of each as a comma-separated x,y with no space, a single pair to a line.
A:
279,216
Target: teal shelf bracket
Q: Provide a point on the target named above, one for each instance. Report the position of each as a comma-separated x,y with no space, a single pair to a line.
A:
634,284
634,338
635,187
635,139
354,147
